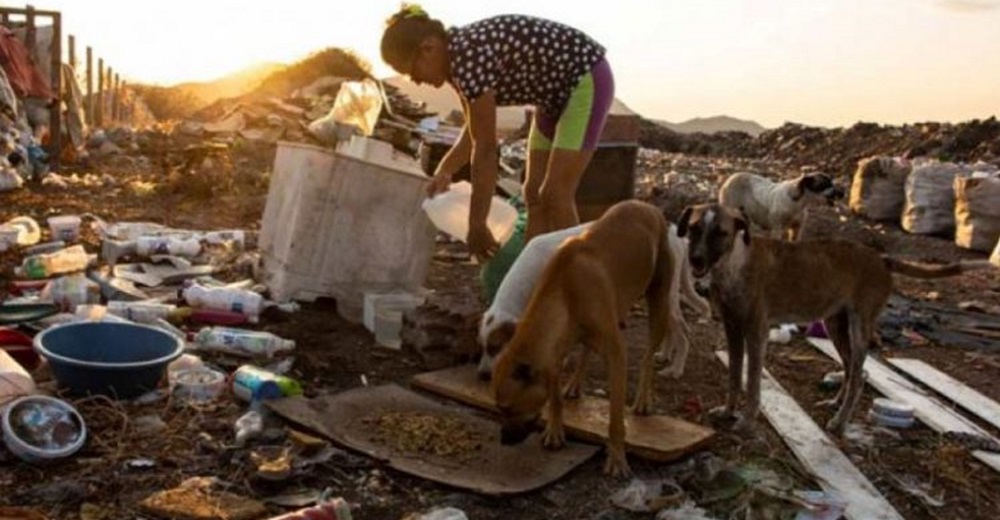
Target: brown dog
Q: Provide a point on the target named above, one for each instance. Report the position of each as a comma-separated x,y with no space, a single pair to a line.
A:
760,282
585,291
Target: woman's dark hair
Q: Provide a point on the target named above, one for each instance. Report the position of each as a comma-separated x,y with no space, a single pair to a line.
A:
404,32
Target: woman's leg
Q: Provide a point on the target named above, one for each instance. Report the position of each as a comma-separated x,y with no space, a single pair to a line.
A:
539,148
576,136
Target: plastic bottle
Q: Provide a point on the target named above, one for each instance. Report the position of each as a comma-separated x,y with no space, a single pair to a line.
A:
336,509
167,245
449,211
67,260
30,232
141,312
242,301
242,342
256,384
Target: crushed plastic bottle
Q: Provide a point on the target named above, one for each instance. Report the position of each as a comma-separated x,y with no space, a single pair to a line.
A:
141,312
242,301
64,261
242,342
168,245
68,292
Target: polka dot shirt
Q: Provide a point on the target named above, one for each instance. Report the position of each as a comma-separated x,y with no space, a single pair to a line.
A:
522,59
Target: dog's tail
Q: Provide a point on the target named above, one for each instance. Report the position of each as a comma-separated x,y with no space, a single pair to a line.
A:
917,270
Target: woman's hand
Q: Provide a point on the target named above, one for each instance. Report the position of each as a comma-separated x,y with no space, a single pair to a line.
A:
481,242
439,183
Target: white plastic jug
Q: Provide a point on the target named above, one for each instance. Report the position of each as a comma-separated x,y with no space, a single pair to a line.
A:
14,379
449,211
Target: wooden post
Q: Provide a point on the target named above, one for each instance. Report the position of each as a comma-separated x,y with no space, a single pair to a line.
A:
4,19
100,92
72,51
90,86
114,97
55,114
29,33
123,106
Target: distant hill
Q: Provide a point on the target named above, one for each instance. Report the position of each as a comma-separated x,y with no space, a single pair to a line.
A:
233,85
711,125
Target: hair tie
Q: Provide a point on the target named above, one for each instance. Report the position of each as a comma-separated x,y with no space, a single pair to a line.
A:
414,11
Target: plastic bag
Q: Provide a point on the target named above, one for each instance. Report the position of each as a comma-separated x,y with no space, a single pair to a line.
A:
930,199
358,103
977,213
878,190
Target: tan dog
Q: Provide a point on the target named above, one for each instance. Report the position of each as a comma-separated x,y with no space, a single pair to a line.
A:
585,291
759,282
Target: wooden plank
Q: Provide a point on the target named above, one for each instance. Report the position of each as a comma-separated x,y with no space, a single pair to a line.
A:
817,452
56,119
983,407
929,410
99,113
656,437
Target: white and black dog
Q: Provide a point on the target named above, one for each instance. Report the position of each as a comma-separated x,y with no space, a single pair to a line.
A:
777,207
497,325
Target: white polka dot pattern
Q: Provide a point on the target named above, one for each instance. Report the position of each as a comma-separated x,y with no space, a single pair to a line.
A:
524,60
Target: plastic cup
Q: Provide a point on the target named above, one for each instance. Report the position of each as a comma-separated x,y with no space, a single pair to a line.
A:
65,227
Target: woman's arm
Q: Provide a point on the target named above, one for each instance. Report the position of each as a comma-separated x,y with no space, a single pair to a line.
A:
481,122
457,157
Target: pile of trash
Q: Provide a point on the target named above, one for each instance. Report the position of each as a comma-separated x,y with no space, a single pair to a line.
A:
838,150
22,157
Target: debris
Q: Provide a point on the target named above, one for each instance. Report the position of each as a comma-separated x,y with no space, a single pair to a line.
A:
920,490
444,513
645,496
249,426
686,511
195,499
59,492
273,464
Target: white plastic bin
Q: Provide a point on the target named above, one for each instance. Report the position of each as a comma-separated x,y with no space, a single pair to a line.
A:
336,226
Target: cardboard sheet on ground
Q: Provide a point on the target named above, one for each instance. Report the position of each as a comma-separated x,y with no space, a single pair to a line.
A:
656,437
474,460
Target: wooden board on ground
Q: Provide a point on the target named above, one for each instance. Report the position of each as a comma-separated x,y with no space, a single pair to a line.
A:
818,453
655,437
983,407
417,435
929,410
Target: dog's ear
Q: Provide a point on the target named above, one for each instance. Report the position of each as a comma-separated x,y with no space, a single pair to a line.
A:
684,222
522,373
742,223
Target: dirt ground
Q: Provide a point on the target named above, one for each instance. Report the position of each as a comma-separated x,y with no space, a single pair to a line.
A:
332,355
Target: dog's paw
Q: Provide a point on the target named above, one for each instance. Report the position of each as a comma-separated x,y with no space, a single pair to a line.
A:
722,415
837,425
554,437
661,357
616,465
643,406
671,372
572,390
745,425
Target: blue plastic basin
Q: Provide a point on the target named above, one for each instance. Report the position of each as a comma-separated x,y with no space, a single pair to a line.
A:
122,360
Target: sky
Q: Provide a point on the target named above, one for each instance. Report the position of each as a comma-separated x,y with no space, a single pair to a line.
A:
817,62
